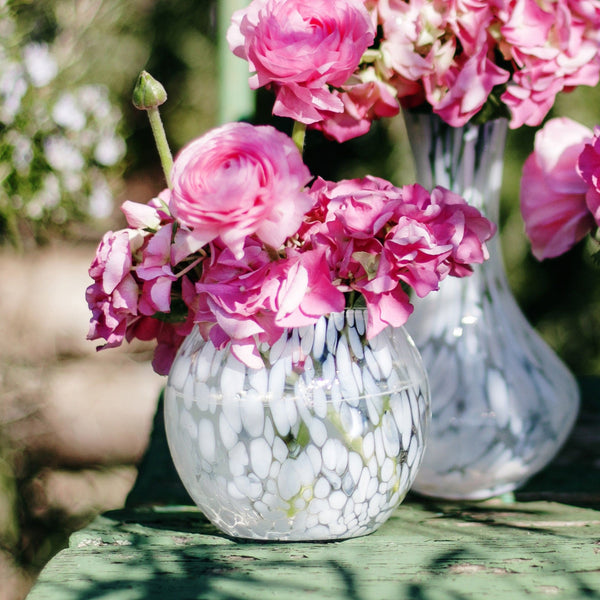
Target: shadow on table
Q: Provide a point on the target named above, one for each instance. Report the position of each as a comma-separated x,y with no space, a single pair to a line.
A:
573,477
423,553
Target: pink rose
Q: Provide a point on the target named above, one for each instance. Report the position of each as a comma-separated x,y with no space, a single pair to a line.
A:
553,194
237,181
300,48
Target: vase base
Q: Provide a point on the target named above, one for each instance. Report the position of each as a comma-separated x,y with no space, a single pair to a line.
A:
297,536
476,495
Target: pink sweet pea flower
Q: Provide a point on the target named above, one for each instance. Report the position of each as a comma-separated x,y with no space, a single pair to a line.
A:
362,206
530,95
464,88
113,297
234,301
239,180
141,216
410,254
453,223
376,236
306,291
300,48
386,309
156,273
364,100
553,194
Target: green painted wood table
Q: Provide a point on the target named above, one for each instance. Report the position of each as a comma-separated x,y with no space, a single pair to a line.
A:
541,542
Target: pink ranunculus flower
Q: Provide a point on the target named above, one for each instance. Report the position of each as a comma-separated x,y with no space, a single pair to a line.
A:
240,180
553,194
300,48
113,297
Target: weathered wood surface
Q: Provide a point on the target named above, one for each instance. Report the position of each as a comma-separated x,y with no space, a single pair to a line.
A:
542,543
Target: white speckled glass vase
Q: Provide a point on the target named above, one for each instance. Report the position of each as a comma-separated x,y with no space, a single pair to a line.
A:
502,401
323,443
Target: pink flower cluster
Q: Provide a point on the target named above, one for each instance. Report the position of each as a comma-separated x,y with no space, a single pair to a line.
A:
457,53
242,247
302,49
560,187
460,57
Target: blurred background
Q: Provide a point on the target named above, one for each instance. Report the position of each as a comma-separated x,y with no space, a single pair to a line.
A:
74,424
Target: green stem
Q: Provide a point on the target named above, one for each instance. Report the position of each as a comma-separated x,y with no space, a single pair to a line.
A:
162,145
298,135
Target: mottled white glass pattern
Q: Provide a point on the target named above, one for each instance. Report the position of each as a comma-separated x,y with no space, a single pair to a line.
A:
502,401
322,443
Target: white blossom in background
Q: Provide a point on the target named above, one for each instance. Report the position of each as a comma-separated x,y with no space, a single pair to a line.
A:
13,87
60,144
40,65
109,150
68,114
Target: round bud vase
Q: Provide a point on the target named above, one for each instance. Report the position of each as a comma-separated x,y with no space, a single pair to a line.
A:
322,443
502,401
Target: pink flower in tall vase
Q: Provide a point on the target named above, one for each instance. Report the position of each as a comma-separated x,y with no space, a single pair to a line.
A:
553,194
301,49
486,59
239,180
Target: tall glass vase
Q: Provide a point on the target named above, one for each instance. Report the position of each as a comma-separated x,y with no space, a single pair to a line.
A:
502,401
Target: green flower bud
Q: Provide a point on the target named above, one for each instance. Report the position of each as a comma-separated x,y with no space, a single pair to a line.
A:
148,92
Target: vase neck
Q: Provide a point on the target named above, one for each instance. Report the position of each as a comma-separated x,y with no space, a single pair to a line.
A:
467,160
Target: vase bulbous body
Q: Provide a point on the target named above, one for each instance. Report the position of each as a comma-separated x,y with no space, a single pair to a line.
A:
503,403
322,443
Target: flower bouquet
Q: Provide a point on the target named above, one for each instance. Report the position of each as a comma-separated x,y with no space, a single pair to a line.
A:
296,405
242,246
338,66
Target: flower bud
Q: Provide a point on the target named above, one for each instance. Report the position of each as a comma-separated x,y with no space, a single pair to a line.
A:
148,92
